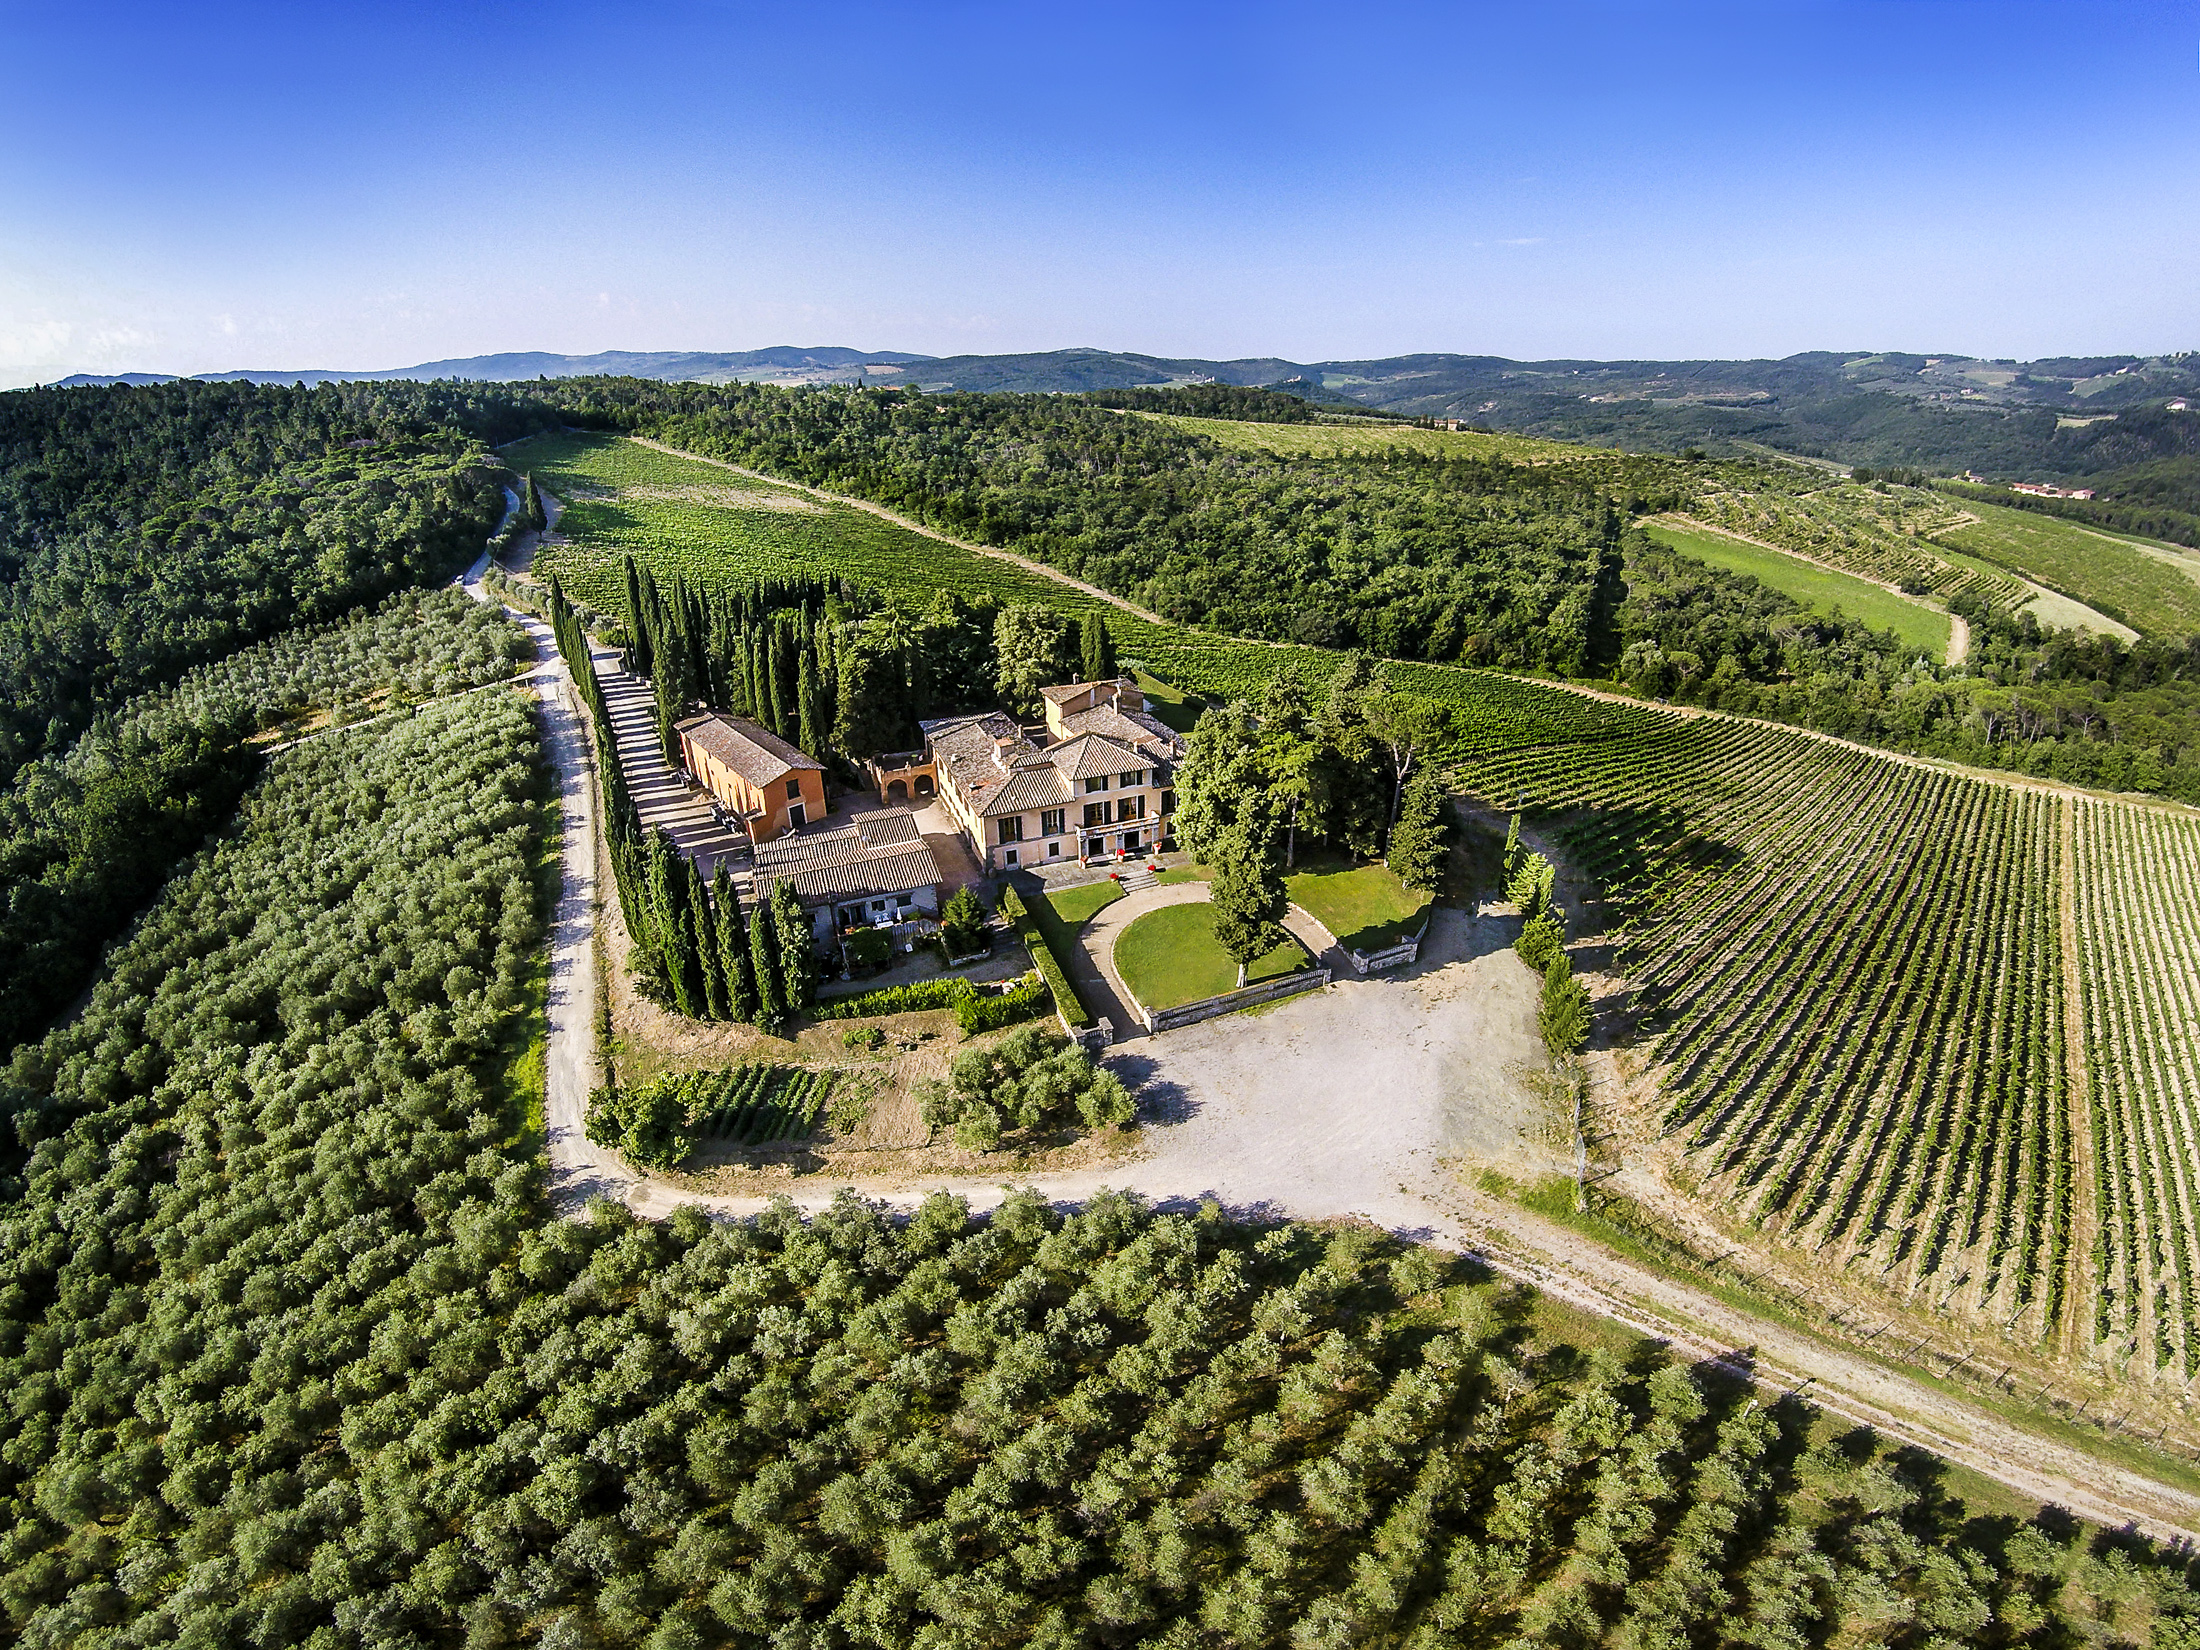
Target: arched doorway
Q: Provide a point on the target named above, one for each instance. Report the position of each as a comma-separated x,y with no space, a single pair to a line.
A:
924,785
897,791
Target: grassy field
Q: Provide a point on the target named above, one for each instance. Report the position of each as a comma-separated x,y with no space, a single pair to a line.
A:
1065,910
1365,908
1292,440
2144,588
1170,705
1170,956
1820,589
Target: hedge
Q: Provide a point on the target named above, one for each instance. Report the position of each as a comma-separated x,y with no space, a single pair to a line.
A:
1066,1003
946,992
1026,998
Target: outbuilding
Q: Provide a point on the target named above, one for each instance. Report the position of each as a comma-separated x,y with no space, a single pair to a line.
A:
757,777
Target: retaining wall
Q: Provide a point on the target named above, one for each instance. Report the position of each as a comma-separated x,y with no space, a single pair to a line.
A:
1268,991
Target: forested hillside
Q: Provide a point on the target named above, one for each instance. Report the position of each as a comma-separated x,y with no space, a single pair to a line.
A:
146,530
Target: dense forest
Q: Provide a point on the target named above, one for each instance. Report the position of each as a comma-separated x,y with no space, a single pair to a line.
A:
146,530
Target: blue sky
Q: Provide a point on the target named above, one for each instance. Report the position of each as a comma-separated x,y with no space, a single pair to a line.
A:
190,188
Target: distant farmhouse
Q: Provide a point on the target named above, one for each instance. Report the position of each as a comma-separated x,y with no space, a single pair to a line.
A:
1103,782
758,778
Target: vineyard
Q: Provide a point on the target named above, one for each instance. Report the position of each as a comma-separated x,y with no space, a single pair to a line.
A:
1879,536
634,500
2137,898
2156,590
749,1105
1851,970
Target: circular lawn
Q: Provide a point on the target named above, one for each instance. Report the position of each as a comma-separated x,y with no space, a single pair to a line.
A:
1171,956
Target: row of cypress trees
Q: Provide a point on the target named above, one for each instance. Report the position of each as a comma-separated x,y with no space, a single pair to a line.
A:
715,961
770,651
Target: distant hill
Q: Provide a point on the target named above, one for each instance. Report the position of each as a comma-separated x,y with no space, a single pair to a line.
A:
2060,418
783,363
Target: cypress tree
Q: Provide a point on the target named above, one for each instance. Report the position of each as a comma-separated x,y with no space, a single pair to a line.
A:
531,504
637,621
775,673
1563,1014
764,973
797,951
733,948
1416,851
1096,649
808,694
707,968
669,711
667,891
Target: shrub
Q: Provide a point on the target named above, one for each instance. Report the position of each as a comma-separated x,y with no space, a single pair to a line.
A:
867,947
1541,938
646,1125
982,1011
1029,1080
1050,968
962,924
896,999
1564,1012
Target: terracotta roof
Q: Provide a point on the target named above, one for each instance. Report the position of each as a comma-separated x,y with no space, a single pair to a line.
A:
1042,785
755,753
1070,690
1131,728
1090,754
878,853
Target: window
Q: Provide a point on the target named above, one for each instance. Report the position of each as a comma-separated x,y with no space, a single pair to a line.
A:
1099,783
1050,821
1168,803
1012,828
1096,813
1131,807
1054,850
1010,856
794,790
1131,781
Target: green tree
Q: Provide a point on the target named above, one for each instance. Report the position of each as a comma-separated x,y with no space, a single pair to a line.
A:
1404,727
1420,838
734,966
1096,648
766,974
810,695
962,923
709,954
1032,649
1248,892
873,713
797,948
1542,937
531,510
1563,1013
1219,780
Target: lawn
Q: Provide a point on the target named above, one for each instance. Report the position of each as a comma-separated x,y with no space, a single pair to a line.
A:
1171,956
1170,706
2156,591
1367,908
1065,910
1821,589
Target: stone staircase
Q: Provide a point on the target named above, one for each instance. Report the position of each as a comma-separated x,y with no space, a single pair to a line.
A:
1136,875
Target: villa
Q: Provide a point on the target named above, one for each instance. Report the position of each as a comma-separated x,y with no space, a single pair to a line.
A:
757,777
1098,780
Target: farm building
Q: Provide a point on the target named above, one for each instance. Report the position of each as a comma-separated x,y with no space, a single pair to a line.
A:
877,868
757,777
